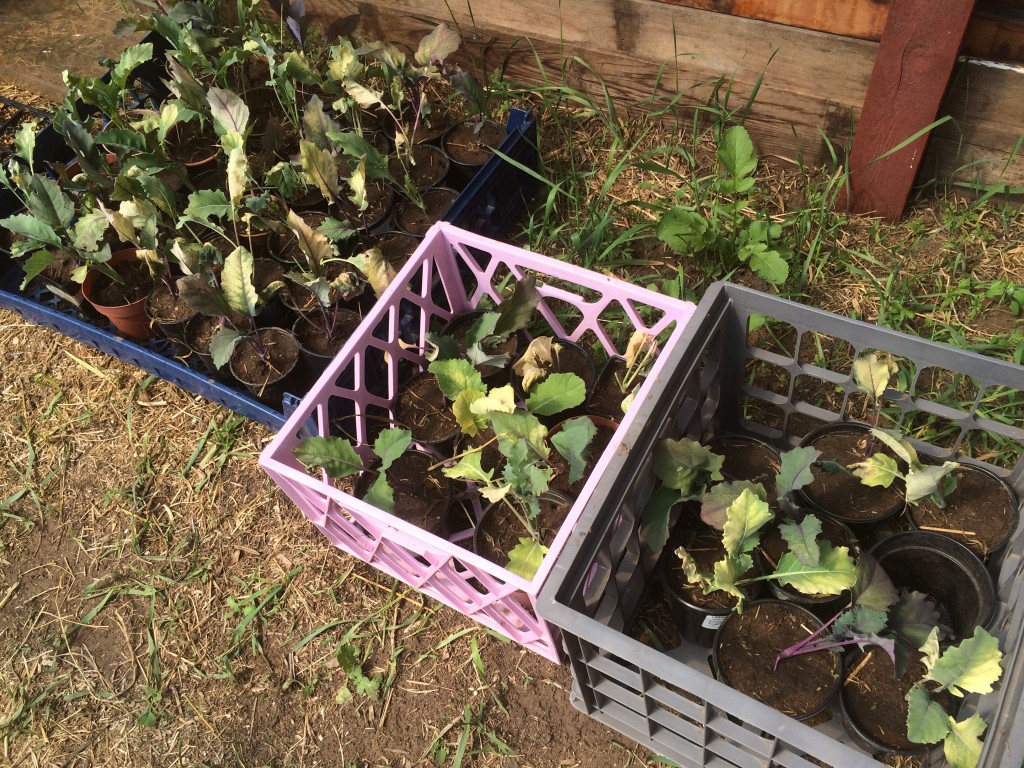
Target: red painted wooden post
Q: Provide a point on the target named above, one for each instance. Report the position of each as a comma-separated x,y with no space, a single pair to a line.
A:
915,59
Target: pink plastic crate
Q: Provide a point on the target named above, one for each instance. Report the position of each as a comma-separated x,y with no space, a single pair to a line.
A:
452,272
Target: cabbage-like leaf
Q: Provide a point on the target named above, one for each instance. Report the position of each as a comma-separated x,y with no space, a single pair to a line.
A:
238,170
874,589
914,617
320,168
572,442
834,572
335,454
802,539
871,373
501,399
206,204
378,271
380,494
195,291
469,420
441,43
744,520
455,376
516,312
316,248
223,344
962,746
519,428
655,516
47,202
794,473
879,470
684,465
468,468
389,445
556,393
971,666
525,558
715,504
236,282
927,721
229,111
726,575
925,482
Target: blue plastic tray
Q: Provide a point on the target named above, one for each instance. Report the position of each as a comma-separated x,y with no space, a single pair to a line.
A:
488,205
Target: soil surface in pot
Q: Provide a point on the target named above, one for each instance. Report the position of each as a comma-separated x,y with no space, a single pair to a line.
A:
501,530
490,455
201,332
164,307
875,699
842,494
60,270
396,248
421,496
429,166
467,146
747,459
314,339
421,408
978,514
278,359
191,143
379,197
606,399
137,283
748,646
410,218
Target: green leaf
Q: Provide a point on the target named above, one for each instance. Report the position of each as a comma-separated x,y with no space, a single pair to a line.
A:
206,204
363,96
871,373
835,572
320,167
686,465
316,123
857,621
47,202
927,721
236,282
130,59
744,520
802,539
714,505
32,228
770,265
880,469
736,152
971,666
962,746
795,470
556,393
390,444
229,111
462,407
519,429
655,516
572,442
683,230
689,567
343,696
468,468
441,43
34,265
298,69
925,482
899,445
335,454
728,572
381,494
25,141
223,344
525,558
455,376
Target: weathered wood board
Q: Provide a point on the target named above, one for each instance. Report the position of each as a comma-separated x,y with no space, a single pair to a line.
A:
812,83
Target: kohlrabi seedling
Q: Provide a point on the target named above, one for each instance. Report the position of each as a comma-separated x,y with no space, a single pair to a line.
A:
686,470
339,459
971,667
923,481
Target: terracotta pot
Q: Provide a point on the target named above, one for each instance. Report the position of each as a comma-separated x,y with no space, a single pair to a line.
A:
130,319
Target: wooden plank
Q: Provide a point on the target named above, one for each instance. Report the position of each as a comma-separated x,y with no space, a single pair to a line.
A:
996,30
915,58
628,42
986,103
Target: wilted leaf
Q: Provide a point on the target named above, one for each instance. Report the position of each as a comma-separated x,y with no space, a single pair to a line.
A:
871,373
516,312
497,399
238,169
236,282
378,270
925,482
462,407
880,470
438,45
320,167
313,244
726,575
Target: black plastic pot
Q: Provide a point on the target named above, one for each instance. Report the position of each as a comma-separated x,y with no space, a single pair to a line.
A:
433,398
479,140
696,623
428,161
172,330
747,458
588,379
858,505
414,220
946,571
500,514
270,388
448,515
312,364
735,623
971,477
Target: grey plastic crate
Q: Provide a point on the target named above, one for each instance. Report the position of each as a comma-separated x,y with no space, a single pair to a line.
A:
669,701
